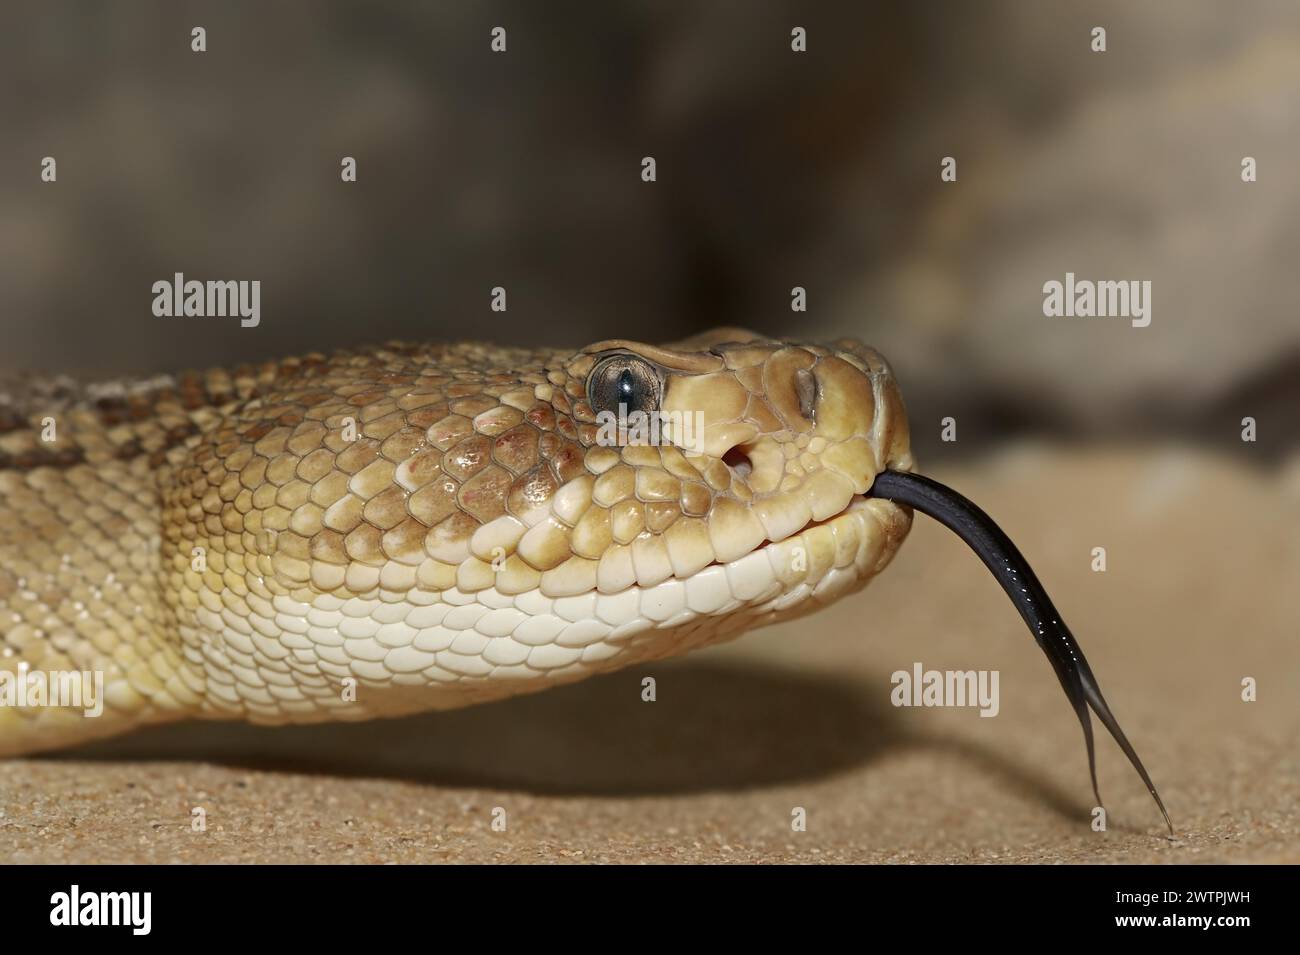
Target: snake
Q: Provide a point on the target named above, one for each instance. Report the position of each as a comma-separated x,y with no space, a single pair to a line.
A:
392,529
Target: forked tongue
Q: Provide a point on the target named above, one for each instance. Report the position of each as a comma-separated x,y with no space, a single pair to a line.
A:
1018,580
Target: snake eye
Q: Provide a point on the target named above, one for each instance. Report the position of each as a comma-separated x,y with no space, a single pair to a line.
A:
623,380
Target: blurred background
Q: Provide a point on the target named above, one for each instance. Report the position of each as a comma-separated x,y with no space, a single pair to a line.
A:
775,169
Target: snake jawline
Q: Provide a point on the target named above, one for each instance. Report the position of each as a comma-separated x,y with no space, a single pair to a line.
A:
1021,584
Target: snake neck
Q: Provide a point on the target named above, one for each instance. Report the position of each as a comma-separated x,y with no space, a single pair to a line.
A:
89,645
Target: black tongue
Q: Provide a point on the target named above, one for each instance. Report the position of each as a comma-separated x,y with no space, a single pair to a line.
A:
1021,584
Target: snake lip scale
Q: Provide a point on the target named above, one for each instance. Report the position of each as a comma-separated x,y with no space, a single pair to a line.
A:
409,527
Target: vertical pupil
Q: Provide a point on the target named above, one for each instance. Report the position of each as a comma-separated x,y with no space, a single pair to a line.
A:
626,387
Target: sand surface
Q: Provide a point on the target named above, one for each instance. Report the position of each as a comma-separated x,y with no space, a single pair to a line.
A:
1200,592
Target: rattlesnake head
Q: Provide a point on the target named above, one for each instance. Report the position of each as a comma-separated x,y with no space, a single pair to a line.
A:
448,526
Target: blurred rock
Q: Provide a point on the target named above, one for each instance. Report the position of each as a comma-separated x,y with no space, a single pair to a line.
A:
776,169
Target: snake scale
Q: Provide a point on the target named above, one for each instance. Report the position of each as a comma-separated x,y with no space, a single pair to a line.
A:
401,528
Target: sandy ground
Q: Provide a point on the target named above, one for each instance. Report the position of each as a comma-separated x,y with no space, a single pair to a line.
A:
1203,561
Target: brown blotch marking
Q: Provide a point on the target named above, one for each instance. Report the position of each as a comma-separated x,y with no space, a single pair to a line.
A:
517,449
468,458
569,462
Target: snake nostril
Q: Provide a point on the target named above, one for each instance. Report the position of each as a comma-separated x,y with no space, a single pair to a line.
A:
739,462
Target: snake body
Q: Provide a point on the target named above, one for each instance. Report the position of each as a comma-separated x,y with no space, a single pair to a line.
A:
401,528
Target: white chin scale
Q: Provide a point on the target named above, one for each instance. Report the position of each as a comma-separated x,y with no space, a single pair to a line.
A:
386,654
